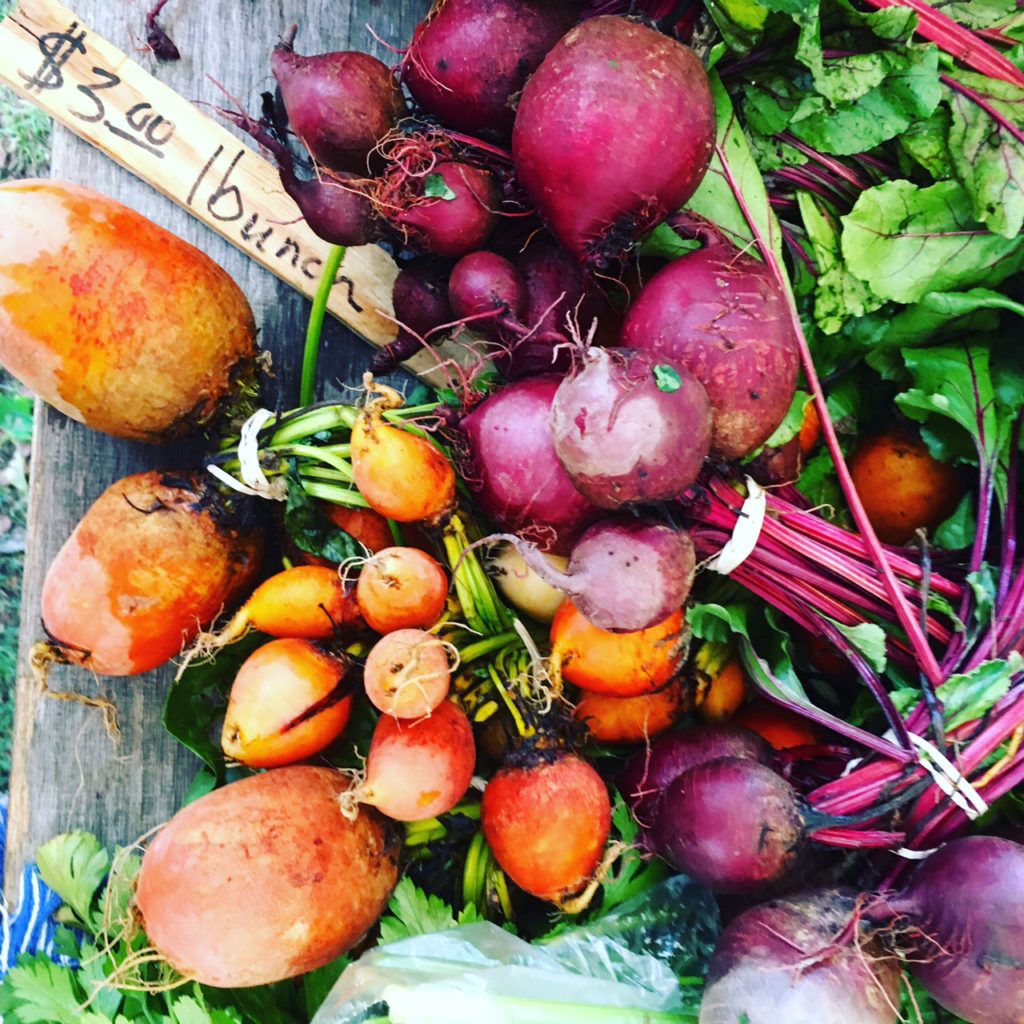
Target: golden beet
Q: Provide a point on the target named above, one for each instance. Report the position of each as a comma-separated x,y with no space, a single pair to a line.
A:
113,320
265,879
153,559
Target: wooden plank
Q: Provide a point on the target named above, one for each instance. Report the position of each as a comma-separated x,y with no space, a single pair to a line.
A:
65,772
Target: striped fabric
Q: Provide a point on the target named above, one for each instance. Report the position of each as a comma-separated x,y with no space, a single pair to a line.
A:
30,928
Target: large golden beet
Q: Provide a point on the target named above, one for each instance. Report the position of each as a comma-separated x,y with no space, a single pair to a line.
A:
113,320
153,559
266,878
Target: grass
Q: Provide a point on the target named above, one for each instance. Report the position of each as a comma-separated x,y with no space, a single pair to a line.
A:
24,153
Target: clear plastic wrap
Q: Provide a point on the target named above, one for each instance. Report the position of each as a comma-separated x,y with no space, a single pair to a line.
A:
641,963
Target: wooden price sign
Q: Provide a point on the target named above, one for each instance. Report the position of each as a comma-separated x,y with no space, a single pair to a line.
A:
51,58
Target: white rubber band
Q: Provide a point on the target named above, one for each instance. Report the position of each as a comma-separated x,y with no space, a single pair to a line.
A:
745,533
235,485
949,779
250,469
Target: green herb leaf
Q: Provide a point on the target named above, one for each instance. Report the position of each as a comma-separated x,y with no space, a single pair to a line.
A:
38,991
988,158
634,872
317,984
907,241
74,865
838,294
435,187
414,912
310,530
968,697
666,378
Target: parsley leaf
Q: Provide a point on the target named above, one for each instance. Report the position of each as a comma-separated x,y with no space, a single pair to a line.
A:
74,866
414,912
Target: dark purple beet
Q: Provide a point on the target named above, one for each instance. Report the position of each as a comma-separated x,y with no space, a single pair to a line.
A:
334,205
469,58
965,904
420,300
513,471
646,774
733,824
449,225
556,289
339,104
482,283
720,314
625,573
779,964
631,426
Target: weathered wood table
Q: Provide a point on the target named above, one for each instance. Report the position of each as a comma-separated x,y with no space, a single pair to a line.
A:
66,772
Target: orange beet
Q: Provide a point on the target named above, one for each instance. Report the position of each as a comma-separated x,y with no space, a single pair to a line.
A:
113,320
547,824
902,487
288,702
366,526
725,693
154,558
780,727
401,475
631,719
616,664
402,588
265,879
810,429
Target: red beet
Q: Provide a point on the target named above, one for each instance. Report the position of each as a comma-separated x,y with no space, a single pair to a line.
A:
482,283
453,223
650,771
779,963
339,104
613,133
631,426
469,58
720,314
514,472
733,824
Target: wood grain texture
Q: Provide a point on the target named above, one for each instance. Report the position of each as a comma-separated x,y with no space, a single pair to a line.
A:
65,771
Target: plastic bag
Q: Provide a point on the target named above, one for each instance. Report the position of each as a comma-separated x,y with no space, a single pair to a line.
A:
621,968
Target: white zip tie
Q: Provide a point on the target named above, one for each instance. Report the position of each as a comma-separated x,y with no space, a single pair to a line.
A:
250,469
949,779
908,854
745,533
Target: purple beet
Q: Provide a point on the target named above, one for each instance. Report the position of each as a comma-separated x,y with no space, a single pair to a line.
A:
339,104
733,824
647,774
334,205
965,909
513,471
780,963
420,300
486,284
